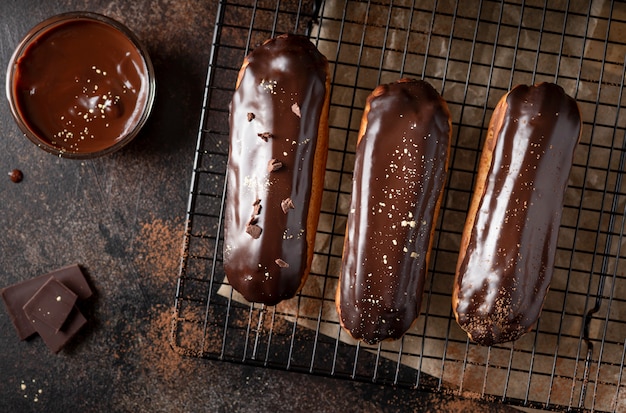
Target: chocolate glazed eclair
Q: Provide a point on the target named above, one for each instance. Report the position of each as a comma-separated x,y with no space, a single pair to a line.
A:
400,170
509,241
275,175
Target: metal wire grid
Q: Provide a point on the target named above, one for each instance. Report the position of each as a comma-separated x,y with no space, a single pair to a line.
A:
472,54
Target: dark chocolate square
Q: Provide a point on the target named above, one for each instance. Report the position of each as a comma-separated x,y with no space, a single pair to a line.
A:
56,340
51,304
16,295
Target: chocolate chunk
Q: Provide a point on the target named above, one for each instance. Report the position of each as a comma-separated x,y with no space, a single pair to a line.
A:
296,110
51,304
274,165
250,116
251,227
281,263
56,340
286,205
257,207
16,295
265,136
16,176
254,231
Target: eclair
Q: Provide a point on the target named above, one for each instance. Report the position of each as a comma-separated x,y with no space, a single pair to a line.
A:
400,169
275,173
509,241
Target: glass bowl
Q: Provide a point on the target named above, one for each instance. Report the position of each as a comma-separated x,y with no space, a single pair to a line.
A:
80,85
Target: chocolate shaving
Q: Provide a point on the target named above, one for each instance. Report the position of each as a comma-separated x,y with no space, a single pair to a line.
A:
281,263
254,231
274,165
251,228
257,207
265,136
296,110
287,204
250,116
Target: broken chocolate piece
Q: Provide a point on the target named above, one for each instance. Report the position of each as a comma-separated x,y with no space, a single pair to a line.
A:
56,340
296,110
51,304
16,295
257,207
254,231
274,165
281,263
265,136
250,116
287,204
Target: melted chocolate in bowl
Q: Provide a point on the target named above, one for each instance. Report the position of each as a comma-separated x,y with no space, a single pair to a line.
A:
80,85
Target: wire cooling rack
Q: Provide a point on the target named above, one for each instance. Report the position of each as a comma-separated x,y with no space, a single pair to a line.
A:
472,54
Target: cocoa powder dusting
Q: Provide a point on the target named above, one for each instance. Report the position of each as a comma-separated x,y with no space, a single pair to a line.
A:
158,355
157,251
157,254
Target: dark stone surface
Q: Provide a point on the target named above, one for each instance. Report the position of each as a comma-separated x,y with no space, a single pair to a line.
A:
121,218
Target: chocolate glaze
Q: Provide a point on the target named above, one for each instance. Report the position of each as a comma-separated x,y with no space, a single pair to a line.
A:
81,86
399,174
278,74
509,243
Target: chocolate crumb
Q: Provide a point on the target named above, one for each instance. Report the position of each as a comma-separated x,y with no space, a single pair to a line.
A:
254,231
296,110
16,176
250,116
265,136
287,204
253,220
274,165
281,263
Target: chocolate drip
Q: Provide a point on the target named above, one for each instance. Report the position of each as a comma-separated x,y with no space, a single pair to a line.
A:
505,269
279,74
400,170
